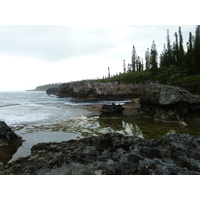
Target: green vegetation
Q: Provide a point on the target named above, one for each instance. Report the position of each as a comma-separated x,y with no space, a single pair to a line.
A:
176,66
46,87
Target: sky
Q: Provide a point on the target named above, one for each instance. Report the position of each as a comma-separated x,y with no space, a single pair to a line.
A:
33,55
95,34
44,42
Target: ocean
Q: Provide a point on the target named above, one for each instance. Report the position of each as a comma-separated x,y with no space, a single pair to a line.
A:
38,117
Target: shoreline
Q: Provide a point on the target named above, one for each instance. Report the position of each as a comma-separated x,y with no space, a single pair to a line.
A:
108,153
131,107
111,154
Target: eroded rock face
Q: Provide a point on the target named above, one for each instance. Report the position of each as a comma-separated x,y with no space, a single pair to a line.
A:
7,136
112,154
99,90
167,102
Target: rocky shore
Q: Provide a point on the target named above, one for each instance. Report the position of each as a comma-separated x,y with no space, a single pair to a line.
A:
98,90
112,154
168,103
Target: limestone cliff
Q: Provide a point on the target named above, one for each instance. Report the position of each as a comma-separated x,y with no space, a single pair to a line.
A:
99,90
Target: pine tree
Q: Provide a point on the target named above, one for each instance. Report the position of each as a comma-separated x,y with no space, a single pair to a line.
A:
163,57
147,58
134,58
108,72
124,66
168,52
176,48
139,67
142,65
181,51
154,59
197,50
190,55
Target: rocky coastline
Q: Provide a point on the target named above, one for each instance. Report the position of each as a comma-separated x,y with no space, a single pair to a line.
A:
115,153
98,90
112,154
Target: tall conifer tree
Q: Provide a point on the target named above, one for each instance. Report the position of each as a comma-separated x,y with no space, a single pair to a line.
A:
181,51
176,48
154,59
197,50
190,55
134,58
147,58
168,52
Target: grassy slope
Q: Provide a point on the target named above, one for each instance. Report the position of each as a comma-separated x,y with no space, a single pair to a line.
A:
165,76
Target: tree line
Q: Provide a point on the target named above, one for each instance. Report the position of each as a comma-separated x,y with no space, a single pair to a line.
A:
173,56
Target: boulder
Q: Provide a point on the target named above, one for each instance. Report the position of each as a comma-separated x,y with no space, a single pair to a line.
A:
7,136
167,102
111,110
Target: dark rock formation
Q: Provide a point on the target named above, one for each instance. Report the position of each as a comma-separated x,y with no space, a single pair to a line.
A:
7,151
167,102
52,91
193,88
112,154
7,136
99,90
111,110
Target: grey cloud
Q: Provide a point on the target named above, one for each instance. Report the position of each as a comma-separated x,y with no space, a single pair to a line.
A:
52,43
55,43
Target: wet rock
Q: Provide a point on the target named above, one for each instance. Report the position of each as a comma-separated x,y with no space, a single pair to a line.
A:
7,136
167,102
112,154
111,111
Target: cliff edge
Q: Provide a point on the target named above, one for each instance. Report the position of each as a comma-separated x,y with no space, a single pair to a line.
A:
99,90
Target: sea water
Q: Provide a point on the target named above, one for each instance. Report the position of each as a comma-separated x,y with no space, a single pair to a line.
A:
38,117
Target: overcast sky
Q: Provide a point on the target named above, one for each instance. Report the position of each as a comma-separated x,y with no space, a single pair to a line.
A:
36,55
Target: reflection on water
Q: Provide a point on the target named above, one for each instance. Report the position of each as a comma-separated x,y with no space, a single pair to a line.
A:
120,126
88,126
79,127
7,151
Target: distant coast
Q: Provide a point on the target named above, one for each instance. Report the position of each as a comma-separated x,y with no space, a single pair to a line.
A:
45,87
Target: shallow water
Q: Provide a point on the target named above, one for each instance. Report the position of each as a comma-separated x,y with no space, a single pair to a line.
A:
37,117
86,126
40,118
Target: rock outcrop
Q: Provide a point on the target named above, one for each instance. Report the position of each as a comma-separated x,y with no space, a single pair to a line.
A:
167,102
7,136
53,91
112,154
99,90
111,111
